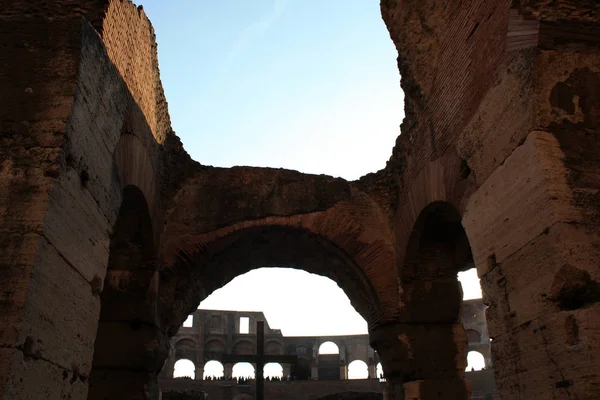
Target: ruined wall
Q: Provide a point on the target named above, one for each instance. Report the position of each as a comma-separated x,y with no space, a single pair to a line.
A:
498,118
34,113
501,122
67,109
131,45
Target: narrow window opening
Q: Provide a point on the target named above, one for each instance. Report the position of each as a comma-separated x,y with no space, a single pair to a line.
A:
244,325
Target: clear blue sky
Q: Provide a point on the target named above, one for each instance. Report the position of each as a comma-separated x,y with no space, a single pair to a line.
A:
310,85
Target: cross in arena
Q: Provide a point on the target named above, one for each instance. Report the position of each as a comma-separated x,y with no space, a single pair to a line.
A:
260,359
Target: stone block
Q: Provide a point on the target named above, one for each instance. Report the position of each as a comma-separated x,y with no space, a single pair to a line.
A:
61,313
32,379
554,356
528,283
519,201
77,228
431,300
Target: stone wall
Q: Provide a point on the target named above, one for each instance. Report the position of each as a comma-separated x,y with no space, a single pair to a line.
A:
496,167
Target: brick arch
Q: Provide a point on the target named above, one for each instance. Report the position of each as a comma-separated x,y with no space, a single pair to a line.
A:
440,181
186,344
208,343
134,167
252,248
473,336
128,336
274,347
244,346
330,217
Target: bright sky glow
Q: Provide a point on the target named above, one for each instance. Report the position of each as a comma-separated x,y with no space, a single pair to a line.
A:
243,370
309,85
475,361
358,369
470,284
184,368
329,348
213,368
298,303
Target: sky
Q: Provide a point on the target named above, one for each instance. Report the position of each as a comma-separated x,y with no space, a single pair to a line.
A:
310,85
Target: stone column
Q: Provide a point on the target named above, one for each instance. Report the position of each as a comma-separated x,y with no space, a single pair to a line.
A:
343,372
314,372
373,371
228,370
199,372
286,370
422,361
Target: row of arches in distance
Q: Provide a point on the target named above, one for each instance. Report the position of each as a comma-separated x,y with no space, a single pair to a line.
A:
357,369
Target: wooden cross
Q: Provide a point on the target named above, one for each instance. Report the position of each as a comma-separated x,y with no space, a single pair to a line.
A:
260,359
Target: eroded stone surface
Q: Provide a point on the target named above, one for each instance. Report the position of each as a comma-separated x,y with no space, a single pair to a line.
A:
501,123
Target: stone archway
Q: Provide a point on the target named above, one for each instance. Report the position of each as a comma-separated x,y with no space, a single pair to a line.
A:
425,356
194,276
129,346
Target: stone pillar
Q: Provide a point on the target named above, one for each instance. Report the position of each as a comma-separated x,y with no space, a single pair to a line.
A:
199,372
286,370
343,372
422,361
228,370
314,372
373,371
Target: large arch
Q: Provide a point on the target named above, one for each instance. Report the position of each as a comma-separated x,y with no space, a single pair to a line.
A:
430,351
129,347
214,264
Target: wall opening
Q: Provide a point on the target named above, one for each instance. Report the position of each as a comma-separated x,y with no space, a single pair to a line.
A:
476,361
213,370
439,280
379,371
184,369
244,325
329,348
243,370
127,330
273,371
358,369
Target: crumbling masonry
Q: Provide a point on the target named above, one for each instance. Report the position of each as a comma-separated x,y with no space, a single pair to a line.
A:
111,234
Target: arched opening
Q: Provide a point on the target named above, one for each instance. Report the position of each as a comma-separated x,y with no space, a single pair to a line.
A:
213,370
129,347
473,336
470,284
476,361
185,345
379,371
274,347
184,369
209,267
329,348
214,349
273,371
358,369
244,347
438,250
243,370
241,255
